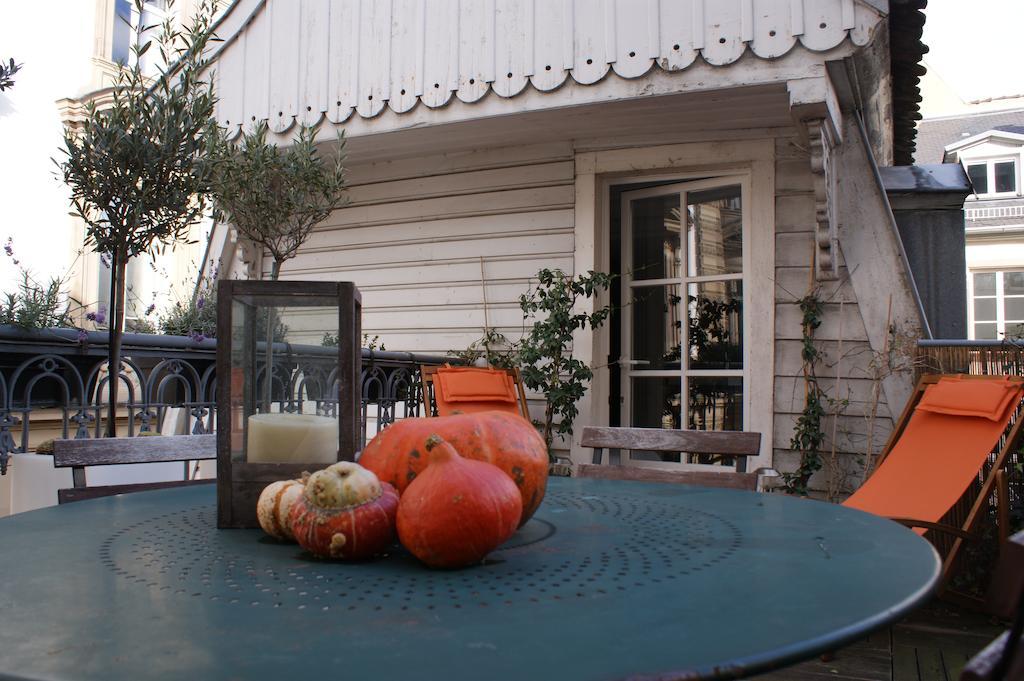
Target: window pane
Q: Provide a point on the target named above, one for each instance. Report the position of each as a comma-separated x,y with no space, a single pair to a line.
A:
985,309
1006,176
1013,309
985,331
716,403
657,330
121,33
716,324
985,284
656,250
1013,283
715,232
1014,332
978,172
655,404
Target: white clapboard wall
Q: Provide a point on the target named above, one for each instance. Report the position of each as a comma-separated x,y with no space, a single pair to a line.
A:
426,239
423,238
847,360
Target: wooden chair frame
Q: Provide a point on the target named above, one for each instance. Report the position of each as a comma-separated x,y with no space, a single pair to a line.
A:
962,521
77,454
427,372
730,444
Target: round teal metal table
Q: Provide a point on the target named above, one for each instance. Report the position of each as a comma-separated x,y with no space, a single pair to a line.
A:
610,580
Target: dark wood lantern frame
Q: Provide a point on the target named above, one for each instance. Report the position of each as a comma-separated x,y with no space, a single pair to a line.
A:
239,484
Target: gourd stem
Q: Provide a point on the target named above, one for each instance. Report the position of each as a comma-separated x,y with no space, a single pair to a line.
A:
439,450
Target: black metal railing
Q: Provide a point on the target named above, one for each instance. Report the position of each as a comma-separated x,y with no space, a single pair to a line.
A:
57,375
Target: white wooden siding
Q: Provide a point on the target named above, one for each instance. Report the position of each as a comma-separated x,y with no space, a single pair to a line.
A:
847,360
298,61
415,231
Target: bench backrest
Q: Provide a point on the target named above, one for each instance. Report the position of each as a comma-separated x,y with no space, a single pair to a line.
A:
77,454
143,449
725,443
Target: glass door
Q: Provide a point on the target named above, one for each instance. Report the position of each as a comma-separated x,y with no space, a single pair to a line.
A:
682,363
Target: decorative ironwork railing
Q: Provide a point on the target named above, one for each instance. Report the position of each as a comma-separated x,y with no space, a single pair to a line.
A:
52,375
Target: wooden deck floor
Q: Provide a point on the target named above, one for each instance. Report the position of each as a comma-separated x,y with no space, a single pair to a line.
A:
932,644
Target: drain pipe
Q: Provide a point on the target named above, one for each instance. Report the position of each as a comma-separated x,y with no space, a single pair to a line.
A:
925,327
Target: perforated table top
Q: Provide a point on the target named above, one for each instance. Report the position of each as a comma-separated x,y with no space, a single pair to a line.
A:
609,580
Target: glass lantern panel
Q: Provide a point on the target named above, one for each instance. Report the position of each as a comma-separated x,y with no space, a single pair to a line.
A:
284,379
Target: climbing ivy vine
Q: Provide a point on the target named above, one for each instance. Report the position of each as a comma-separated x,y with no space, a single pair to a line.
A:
809,435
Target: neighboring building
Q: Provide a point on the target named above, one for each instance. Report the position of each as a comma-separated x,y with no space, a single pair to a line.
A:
990,146
717,156
50,92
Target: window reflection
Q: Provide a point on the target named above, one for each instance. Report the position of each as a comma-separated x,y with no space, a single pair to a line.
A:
657,329
716,324
656,253
714,232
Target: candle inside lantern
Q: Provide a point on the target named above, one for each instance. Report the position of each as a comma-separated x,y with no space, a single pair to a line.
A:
292,438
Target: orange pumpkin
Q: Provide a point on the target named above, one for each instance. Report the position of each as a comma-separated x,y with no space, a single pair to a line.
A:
457,510
398,454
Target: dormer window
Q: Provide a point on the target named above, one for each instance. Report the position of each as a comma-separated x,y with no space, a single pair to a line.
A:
993,177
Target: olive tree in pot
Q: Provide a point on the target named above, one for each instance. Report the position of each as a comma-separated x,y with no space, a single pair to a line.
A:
275,197
136,167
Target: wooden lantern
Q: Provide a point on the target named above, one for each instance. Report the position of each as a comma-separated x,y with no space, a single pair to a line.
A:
287,402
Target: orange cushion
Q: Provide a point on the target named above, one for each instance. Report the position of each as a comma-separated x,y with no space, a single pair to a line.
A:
472,384
985,398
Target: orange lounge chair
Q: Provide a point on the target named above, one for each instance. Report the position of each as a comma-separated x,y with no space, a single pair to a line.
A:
942,462
465,390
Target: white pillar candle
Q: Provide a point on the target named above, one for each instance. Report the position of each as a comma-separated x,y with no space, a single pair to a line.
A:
292,438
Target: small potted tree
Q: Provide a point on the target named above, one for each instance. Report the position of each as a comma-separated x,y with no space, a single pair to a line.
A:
136,168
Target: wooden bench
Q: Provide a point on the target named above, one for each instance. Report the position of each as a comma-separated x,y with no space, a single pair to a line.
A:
726,444
1000,661
77,454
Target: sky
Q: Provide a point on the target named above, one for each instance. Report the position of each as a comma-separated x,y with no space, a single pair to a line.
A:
975,46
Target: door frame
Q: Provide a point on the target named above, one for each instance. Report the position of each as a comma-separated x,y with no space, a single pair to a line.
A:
597,171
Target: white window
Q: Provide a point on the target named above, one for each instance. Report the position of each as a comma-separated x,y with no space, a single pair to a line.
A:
123,36
995,177
996,305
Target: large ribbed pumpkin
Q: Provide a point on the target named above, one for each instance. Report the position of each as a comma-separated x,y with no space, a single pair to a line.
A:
398,453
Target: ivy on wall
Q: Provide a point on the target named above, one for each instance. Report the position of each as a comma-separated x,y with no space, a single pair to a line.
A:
809,435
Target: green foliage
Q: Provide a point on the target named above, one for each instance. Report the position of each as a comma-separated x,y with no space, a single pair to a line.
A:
7,72
545,354
330,340
33,306
275,197
194,317
493,347
197,317
709,335
808,436
140,325
136,169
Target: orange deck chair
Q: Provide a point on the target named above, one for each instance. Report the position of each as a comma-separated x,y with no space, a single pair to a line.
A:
945,456
467,390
